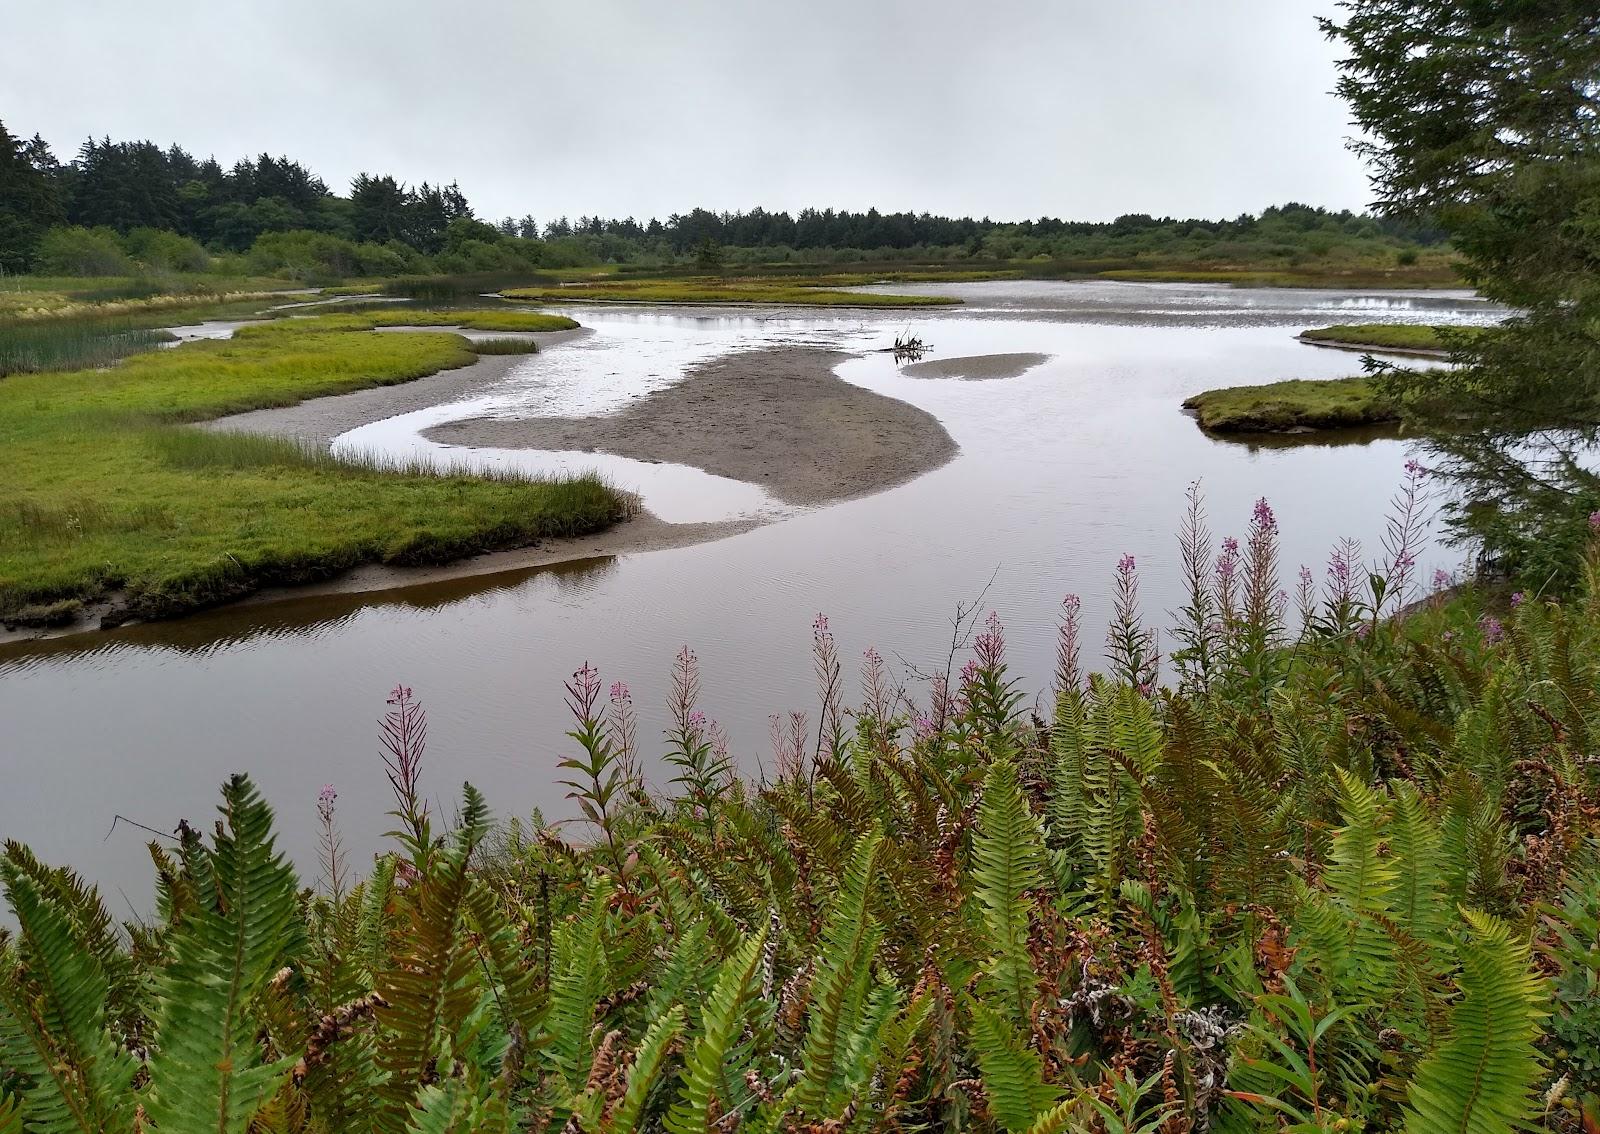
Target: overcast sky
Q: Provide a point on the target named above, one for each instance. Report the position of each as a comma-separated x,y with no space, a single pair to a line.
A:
1074,108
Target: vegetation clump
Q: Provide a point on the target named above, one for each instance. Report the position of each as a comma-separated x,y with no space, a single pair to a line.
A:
1296,405
1404,338
472,319
108,492
1344,877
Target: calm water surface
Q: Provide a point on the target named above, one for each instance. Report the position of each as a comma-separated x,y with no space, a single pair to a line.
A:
1062,470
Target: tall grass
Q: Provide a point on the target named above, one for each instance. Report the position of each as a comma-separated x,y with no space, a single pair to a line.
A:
73,343
504,345
460,286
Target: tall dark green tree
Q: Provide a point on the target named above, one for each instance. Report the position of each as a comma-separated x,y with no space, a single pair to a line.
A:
29,198
379,208
1484,116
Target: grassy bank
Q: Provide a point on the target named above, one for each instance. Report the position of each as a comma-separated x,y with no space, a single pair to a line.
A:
476,320
107,492
711,289
1294,405
44,297
1409,338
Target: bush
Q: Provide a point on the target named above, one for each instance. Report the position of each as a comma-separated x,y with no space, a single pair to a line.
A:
78,251
304,255
166,251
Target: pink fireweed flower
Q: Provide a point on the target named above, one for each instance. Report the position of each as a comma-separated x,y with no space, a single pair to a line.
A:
830,686
1493,629
583,691
619,693
1263,516
1594,521
404,736
1414,469
1517,599
1126,565
325,799
1442,579
1067,648
875,693
991,644
1448,636
685,687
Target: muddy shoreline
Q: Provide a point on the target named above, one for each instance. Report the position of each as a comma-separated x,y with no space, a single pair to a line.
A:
1368,348
779,418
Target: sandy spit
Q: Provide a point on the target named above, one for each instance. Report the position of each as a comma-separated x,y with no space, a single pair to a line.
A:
975,367
778,418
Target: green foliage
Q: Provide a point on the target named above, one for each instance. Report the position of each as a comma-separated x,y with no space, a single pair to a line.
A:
105,492
1485,118
1245,905
207,1070
1482,1079
1008,863
1294,405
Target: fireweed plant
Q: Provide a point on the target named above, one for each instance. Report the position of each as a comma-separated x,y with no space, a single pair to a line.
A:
1341,874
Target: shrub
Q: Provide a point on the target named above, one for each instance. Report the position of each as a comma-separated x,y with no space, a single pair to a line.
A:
78,251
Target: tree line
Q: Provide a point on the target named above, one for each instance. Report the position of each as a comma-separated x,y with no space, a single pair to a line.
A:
133,186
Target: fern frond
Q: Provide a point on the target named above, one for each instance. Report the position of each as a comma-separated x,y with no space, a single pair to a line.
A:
703,1067
1013,1076
1009,862
10,1115
427,985
849,941
1054,1120
53,1025
654,1047
1482,1079
208,1073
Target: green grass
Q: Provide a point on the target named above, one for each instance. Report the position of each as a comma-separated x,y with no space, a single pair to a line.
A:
361,317
477,320
1293,405
707,289
44,297
504,346
107,492
72,343
1395,336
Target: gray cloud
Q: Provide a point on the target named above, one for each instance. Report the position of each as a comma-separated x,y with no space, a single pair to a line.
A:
626,107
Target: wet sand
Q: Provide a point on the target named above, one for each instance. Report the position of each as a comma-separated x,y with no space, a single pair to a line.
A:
778,418
975,368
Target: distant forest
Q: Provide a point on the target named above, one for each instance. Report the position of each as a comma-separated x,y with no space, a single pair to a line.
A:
120,207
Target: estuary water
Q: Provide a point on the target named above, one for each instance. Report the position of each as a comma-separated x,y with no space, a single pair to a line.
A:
1080,458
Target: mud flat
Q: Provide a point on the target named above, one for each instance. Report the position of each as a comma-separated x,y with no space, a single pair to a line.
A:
976,367
779,418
